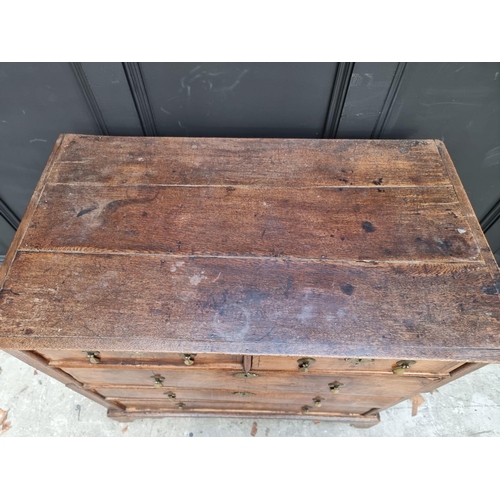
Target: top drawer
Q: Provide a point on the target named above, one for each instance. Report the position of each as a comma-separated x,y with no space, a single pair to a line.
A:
365,365
73,357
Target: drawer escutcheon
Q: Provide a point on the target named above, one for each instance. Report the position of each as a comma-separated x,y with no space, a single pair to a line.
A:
158,381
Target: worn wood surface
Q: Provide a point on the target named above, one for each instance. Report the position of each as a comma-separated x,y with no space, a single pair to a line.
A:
253,306
182,394
23,226
141,358
349,365
360,421
356,406
251,162
286,382
248,246
417,224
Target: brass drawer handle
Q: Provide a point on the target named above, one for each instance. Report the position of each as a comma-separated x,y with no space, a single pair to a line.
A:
93,356
158,381
188,358
180,406
244,394
317,402
305,364
335,387
359,361
245,375
170,395
305,409
401,366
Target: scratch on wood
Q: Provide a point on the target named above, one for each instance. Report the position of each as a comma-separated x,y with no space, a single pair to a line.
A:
86,211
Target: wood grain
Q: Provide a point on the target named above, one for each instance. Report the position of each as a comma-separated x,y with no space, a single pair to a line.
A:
468,211
23,226
246,251
355,406
236,162
418,224
182,394
250,306
288,363
124,358
360,421
366,385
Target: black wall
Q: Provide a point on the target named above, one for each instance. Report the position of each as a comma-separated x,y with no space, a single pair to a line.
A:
456,102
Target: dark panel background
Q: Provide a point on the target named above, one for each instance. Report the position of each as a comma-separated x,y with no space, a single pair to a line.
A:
239,100
37,102
456,102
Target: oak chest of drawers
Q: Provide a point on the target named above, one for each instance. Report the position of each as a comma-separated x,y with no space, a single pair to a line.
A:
324,279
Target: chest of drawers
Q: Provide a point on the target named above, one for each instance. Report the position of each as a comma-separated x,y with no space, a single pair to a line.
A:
286,278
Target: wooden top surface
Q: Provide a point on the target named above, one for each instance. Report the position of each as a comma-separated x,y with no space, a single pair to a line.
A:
252,246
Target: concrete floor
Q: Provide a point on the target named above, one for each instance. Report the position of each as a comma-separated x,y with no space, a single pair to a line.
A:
37,405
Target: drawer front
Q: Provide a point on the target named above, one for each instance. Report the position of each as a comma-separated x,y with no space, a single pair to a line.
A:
213,361
265,381
299,407
343,403
318,365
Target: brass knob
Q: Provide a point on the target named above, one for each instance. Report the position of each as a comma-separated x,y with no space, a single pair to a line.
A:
305,409
401,366
188,358
317,402
305,364
158,381
335,387
93,356
170,395
180,406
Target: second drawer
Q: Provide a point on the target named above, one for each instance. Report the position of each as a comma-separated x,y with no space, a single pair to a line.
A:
384,385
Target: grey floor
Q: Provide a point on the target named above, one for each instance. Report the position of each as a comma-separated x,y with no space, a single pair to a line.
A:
40,406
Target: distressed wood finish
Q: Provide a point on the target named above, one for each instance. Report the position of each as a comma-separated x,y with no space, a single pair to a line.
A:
352,365
250,162
181,394
251,254
254,306
420,224
143,358
304,407
285,382
360,421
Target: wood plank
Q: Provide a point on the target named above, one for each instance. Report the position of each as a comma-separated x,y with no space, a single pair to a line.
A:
461,371
250,306
182,394
125,358
468,211
353,365
355,406
419,224
366,385
233,162
25,222
360,421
